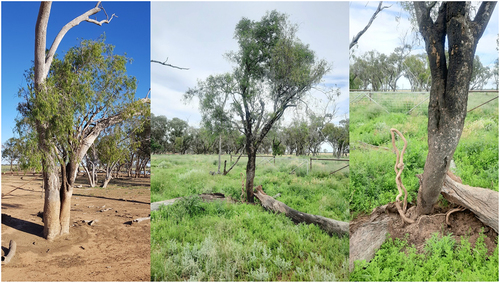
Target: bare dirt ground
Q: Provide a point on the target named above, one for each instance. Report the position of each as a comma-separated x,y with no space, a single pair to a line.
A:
111,249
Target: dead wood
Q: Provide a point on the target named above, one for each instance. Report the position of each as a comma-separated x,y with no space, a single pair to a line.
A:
367,239
12,252
482,202
329,225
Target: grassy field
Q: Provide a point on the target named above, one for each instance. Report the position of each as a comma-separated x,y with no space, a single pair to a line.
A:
219,241
372,184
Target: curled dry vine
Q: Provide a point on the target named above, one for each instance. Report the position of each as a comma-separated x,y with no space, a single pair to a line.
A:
398,167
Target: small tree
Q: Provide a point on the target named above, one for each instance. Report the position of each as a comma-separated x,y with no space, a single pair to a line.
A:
273,71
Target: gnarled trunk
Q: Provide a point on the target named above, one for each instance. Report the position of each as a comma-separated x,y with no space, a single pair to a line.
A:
450,85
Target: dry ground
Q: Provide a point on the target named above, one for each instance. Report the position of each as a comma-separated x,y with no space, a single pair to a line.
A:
112,249
462,224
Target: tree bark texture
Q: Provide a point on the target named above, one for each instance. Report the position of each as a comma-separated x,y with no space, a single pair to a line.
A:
331,226
250,173
482,202
450,85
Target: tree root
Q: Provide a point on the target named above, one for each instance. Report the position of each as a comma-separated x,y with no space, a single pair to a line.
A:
12,252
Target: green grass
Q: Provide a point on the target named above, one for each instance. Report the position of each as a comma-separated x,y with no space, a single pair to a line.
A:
443,260
194,240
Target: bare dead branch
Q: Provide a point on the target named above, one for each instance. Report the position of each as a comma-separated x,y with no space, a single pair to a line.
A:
168,65
356,38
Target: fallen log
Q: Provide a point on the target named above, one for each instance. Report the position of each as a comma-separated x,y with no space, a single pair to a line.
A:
329,225
12,252
205,197
366,240
482,202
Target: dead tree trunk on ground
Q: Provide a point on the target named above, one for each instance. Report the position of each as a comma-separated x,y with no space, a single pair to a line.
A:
329,225
482,202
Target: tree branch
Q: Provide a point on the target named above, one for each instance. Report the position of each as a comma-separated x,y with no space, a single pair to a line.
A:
357,36
168,65
76,21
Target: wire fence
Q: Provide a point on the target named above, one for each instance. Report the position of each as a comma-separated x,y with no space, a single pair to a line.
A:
416,102
300,165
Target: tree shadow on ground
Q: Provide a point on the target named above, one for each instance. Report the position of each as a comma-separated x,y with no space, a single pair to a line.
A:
117,199
22,225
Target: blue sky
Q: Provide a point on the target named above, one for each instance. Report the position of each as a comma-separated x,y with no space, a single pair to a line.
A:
129,32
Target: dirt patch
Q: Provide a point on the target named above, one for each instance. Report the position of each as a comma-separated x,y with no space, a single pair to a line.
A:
462,224
103,244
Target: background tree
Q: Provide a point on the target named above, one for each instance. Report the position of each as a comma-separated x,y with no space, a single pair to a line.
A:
10,152
272,71
110,151
417,72
159,125
480,74
450,83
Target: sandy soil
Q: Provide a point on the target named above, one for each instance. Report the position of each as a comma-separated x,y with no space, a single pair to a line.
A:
111,249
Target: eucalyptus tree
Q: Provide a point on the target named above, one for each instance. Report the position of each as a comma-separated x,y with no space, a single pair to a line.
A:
68,103
447,27
480,74
111,151
272,71
417,72
213,94
10,152
159,125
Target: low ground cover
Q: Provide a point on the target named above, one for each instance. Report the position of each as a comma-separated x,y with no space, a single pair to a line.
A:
195,240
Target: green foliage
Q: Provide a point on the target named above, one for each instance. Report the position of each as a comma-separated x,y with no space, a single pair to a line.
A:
89,84
442,260
219,241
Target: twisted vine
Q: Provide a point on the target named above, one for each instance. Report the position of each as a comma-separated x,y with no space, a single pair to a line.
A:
398,168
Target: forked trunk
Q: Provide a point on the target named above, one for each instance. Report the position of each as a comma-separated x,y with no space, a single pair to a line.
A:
449,89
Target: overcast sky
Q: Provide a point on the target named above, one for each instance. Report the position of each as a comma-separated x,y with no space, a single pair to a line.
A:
195,35
386,33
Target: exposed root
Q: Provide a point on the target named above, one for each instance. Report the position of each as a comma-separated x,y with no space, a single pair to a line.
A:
451,211
398,168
